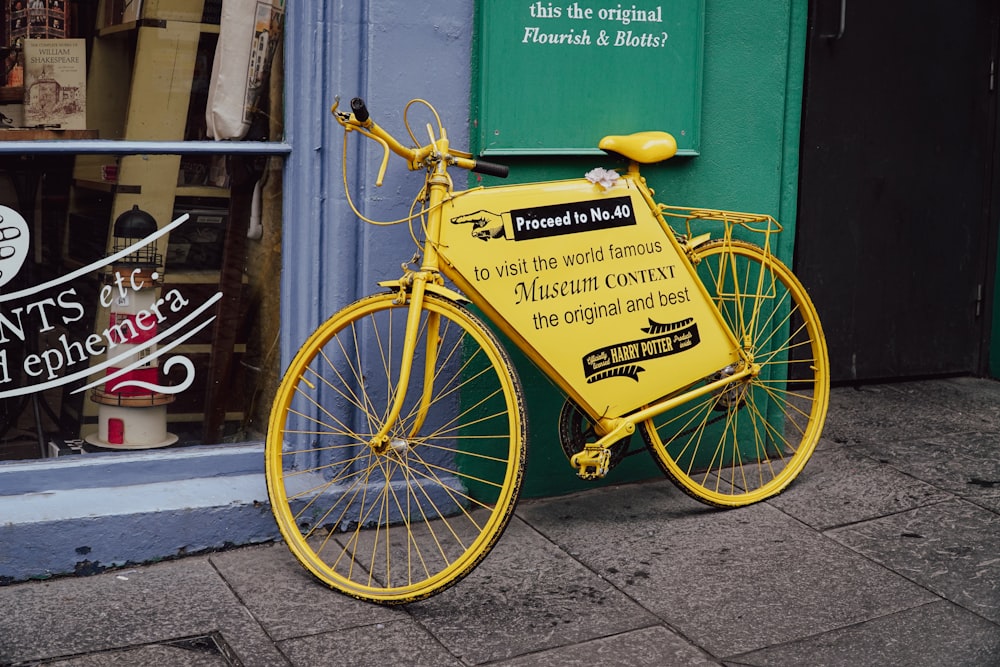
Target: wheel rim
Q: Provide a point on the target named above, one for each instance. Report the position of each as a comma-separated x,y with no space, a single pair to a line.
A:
749,440
396,520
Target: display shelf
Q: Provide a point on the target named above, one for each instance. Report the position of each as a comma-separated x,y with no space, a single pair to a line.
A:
28,134
148,79
11,94
124,29
107,186
202,191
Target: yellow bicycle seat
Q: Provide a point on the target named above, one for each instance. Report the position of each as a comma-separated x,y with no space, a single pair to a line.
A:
643,147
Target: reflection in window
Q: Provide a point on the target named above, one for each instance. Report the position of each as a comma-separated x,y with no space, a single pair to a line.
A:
138,293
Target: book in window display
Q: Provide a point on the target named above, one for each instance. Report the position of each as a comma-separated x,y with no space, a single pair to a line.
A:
132,10
55,84
37,19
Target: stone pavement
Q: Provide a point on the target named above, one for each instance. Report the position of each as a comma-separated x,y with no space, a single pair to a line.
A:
886,551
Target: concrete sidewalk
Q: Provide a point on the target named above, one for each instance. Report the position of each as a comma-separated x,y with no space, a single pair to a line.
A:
886,551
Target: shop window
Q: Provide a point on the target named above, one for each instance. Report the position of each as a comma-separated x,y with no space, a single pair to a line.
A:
138,258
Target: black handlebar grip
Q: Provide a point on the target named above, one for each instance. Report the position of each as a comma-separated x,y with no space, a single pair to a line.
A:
359,109
491,169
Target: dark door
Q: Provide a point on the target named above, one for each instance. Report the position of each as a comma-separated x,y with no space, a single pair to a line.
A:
893,236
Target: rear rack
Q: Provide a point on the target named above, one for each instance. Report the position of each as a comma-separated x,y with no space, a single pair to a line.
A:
698,217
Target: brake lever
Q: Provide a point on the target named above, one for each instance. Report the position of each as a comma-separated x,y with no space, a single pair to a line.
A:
385,151
434,144
344,119
385,156
339,115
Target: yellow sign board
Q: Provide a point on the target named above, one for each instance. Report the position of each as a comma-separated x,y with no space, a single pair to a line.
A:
593,284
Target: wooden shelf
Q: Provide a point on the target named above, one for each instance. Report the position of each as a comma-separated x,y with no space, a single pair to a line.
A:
208,191
189,277
132,26
105,186
11,94
28,134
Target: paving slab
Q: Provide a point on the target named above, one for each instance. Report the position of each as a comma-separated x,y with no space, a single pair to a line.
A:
647,647
886,413
729,581
527,596
966,464
125,610
932,635
287,600
972,402
191,652
991,502
843,485
952,549
401,642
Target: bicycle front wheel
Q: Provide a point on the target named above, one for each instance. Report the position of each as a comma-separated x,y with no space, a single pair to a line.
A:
398,521
749,440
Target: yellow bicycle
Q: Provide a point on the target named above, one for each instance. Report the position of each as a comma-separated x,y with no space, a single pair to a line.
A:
396,444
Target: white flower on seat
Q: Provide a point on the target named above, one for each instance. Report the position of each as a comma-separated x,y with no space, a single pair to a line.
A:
601,176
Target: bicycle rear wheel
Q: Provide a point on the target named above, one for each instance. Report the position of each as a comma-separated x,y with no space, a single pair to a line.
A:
401,521
749,440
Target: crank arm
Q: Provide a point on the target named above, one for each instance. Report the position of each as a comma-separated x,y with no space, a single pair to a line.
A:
595,459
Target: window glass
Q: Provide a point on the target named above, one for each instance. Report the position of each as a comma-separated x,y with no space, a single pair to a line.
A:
138,287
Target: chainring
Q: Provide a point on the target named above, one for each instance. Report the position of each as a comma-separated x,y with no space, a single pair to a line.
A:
576,431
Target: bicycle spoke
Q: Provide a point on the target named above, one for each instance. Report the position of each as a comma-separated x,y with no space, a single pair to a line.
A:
749,439
396,519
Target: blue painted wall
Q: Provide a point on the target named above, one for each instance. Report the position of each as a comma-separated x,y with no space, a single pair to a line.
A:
387,52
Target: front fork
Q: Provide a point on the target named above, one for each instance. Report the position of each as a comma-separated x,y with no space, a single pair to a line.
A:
413,287
415,284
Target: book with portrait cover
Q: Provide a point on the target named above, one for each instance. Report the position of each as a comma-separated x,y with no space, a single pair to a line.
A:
37,18
55,84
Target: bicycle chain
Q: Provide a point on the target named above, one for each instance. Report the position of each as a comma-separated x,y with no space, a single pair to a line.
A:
573,437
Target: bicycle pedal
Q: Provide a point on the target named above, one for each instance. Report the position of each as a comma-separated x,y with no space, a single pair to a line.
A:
592,465
591,476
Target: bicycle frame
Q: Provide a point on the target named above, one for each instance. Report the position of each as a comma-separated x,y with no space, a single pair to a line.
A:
459,230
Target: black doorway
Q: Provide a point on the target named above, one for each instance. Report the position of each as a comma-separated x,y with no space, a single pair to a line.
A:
894,238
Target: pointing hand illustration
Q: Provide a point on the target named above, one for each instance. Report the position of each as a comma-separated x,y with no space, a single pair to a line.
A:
485,224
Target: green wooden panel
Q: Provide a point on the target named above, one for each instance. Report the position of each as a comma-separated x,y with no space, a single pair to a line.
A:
555,77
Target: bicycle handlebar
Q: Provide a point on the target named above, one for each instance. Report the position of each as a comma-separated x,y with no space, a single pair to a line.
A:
491,169
360,119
